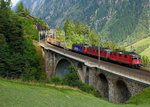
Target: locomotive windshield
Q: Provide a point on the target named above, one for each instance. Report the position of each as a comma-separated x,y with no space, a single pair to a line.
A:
136,58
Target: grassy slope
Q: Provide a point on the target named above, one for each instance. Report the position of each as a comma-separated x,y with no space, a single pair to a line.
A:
146,52
14,94
142,97
145,41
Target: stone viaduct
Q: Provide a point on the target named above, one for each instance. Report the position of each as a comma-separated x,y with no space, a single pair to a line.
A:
115,86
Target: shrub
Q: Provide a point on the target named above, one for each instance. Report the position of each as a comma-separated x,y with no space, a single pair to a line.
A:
71,79
89,89
145,61
85,87
56,80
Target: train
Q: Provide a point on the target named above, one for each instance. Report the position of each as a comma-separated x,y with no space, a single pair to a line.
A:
56,42
130,59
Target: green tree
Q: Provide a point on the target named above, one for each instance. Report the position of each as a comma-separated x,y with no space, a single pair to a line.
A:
93,38
111,45
27,11
145,61
16,65
86,30
4,4
4,57
71,78
79,29
15,36
20,10
68,28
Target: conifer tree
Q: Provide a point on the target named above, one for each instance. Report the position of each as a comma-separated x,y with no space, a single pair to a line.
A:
20,10
4,56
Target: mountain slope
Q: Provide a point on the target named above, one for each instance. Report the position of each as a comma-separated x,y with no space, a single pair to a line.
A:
146,52
142,47
116,19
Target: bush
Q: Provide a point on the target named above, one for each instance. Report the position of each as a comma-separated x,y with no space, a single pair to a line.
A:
86,88
89,89
72,79
56,80
32,74
145,61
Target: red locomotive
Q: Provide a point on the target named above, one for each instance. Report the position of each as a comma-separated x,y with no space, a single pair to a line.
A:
129,58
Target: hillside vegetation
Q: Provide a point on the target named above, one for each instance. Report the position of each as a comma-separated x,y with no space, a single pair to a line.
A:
142,97
116,19
18,94
80,33
18,57
146,52
141,46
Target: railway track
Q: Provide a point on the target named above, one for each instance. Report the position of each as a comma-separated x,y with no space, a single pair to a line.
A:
142,73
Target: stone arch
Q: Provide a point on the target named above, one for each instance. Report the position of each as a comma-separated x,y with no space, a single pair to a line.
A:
123,93
74,64
103,85
61,67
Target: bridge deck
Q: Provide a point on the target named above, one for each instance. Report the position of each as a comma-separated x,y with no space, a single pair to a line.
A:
135,74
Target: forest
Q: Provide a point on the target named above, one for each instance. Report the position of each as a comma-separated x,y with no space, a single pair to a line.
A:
18,57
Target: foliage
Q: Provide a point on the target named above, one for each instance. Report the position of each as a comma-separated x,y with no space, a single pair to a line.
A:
17,53
141,48
71,78
146,61
78,33
93,38
4,56
56,80
21,10
140,98
5,4
28,28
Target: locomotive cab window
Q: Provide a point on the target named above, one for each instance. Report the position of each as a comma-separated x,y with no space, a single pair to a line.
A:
134,58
